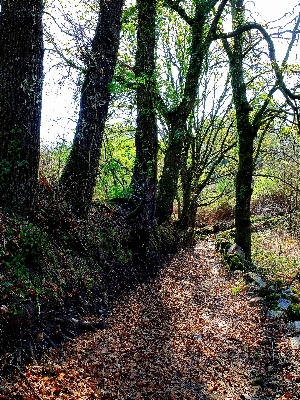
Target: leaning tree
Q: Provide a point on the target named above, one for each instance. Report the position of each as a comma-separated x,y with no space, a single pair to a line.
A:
78,178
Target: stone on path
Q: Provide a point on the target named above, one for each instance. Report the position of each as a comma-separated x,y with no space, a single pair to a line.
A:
295,342
283,303
257,280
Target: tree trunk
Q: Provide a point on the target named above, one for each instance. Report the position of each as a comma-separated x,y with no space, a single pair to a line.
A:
79,176
21,81
243,190
168,182
144,179
246,135
177,120
187,172
202,36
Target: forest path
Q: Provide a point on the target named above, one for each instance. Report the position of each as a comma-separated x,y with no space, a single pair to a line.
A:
183,335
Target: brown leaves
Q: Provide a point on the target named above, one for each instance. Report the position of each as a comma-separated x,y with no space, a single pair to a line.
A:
182,336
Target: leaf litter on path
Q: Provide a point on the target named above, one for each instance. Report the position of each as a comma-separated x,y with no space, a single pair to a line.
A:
182,335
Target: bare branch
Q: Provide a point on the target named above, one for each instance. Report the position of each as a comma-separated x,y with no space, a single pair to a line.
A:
175,6
267,37
214,25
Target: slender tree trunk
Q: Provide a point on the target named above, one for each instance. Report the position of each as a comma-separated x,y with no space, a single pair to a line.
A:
21,81
246,135
170,174
201,39
177,120
79,176
186,175
243,189
144,179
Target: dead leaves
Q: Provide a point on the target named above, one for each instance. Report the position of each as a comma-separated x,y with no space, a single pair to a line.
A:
183,336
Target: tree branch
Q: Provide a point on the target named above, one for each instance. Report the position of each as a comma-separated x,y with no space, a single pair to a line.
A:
214,25
267,37
175,6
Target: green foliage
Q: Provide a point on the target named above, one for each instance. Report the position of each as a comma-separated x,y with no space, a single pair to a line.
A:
25,244
238,287
224,241
112,246
116,164
276,253
223,244
53,159
271,299
13,157
293,312
22,243
235,262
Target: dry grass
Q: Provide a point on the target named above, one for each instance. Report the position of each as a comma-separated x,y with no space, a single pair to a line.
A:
276,253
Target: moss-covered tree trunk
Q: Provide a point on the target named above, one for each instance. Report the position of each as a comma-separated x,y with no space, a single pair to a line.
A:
79,176
246,134
170,174
21,81
243,190
202,34
144,179
177,118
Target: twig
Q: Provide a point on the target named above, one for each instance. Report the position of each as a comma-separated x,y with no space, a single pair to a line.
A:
27,380
273,351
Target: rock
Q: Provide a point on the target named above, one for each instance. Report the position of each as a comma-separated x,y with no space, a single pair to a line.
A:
238,273
274,314
236,249
287,292
197,337
4,309
295,342
294,326
283,303
256,279
255,301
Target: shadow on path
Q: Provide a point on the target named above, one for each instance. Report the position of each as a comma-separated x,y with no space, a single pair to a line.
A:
183,335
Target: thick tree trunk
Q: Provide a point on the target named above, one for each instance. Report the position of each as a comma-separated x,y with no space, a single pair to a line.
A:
21,81
189,214
144,179
79,176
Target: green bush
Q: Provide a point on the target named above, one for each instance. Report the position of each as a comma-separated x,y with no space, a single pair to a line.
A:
293,312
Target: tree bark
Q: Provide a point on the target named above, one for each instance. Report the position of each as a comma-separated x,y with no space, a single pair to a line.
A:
144,179
21,81
177,118
246,135
78,178
170,174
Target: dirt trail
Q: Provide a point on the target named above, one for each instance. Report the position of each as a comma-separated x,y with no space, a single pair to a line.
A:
183,335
